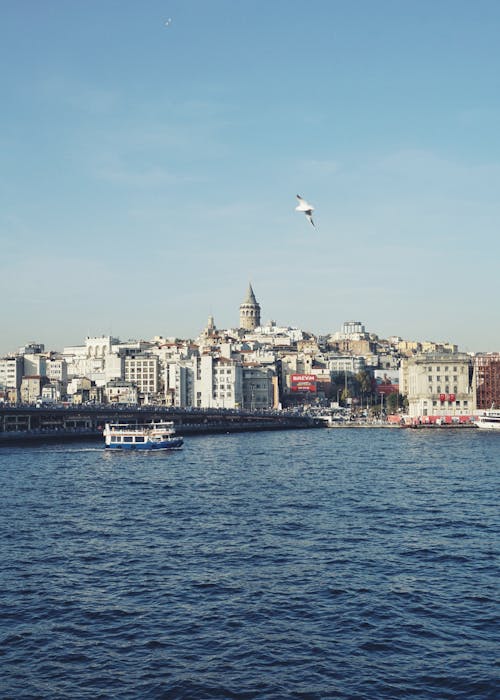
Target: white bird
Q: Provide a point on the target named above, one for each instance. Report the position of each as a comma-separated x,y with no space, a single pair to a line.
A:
306,208
169,21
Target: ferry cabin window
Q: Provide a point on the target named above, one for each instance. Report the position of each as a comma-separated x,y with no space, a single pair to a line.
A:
114,438
140,438
128,438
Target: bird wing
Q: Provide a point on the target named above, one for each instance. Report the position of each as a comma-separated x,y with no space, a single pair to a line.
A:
309,216
303,205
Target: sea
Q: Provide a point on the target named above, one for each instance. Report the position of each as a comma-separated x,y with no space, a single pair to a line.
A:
344,563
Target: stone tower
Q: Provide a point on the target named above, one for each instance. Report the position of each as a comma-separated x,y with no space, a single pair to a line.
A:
249,311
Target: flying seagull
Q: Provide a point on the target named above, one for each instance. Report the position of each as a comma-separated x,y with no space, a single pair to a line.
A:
306,208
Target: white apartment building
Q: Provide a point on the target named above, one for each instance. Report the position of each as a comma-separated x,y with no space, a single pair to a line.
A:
35,365
346,363
11,372
144,372
179,382
57,370
218,383
351,330
438,384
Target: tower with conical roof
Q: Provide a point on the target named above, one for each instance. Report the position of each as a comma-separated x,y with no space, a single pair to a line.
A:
250,311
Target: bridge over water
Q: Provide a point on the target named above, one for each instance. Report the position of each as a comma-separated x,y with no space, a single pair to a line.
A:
28,423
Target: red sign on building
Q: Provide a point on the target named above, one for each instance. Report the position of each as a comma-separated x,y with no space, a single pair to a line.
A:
303,382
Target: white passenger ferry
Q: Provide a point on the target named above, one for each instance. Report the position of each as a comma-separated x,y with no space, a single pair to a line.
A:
152,436
489,420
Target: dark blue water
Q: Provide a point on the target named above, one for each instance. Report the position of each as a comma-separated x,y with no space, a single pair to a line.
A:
308,564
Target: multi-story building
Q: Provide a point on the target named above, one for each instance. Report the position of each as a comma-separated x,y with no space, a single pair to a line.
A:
57,369
345,363
179,381
218,383
438,384
11,373
351,330
487,379
35,364
259,388
120,391
143,371
31,388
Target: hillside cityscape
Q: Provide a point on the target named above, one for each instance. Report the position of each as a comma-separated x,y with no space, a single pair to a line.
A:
259,367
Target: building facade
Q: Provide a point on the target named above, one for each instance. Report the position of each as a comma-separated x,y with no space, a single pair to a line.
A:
438,384
487,376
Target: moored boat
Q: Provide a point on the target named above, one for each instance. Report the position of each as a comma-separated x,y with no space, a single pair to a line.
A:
489,420
158,435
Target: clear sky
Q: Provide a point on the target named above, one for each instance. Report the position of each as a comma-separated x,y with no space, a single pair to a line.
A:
148,169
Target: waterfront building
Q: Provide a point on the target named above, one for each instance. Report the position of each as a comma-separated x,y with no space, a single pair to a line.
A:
249,311
487,380
438,384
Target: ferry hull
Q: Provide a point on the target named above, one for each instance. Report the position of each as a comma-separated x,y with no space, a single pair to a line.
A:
144,446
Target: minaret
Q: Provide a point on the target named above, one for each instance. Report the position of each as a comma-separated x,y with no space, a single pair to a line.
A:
249,311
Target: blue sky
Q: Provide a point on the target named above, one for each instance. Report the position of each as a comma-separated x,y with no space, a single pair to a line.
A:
149,172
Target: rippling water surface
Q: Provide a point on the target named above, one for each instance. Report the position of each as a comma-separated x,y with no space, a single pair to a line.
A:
307,564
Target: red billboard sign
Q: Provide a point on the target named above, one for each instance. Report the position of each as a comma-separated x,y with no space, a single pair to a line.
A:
303,382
